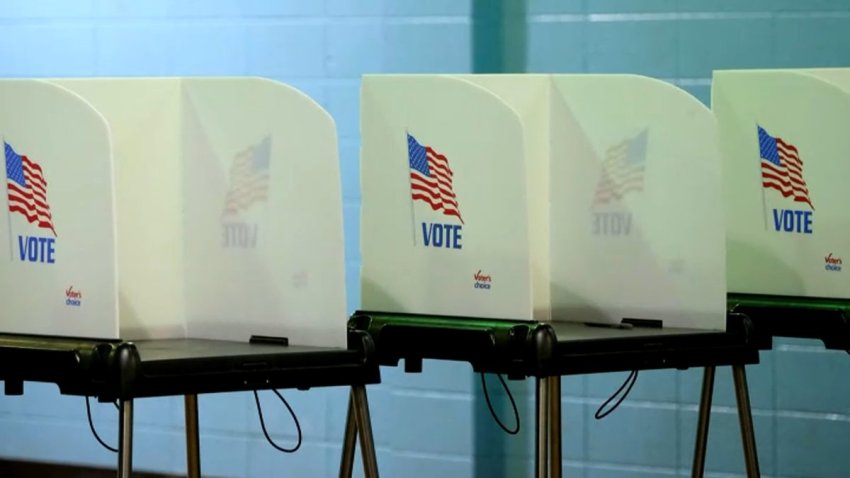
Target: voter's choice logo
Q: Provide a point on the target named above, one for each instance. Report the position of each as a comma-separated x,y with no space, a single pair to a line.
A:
249,188
782,173
432,183
622,174
73,297
26,188
482,281
833,263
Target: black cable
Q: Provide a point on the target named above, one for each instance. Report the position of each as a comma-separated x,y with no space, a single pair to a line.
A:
493,412
263,423
627,385
94,432
115,402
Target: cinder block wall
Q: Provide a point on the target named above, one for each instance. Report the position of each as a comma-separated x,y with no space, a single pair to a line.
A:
434,424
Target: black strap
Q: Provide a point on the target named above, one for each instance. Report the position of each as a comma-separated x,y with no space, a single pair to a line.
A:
493,412
263,423
627,385
94,432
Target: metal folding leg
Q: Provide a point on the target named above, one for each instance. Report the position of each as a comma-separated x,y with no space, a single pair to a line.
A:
193,449
745,416
358,420
364,428
703,423
554,426
125,439
541,442
346,466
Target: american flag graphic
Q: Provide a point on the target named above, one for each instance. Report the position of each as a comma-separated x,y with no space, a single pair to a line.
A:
622,170
782,168
249,178
27,189
431,178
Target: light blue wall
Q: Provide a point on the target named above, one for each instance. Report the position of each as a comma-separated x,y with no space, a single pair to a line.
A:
432,424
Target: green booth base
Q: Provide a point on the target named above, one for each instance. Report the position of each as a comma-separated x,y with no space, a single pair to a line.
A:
772,316
516,348
521,348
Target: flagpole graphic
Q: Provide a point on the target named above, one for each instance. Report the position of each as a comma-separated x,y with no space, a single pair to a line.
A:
8,216
410,182
763,199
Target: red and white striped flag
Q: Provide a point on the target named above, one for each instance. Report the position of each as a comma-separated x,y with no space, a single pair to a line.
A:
249,178
622,170
27,189
431,179
782,168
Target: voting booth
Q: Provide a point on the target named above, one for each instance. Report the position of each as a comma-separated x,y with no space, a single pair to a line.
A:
783,135
170,208
591,198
